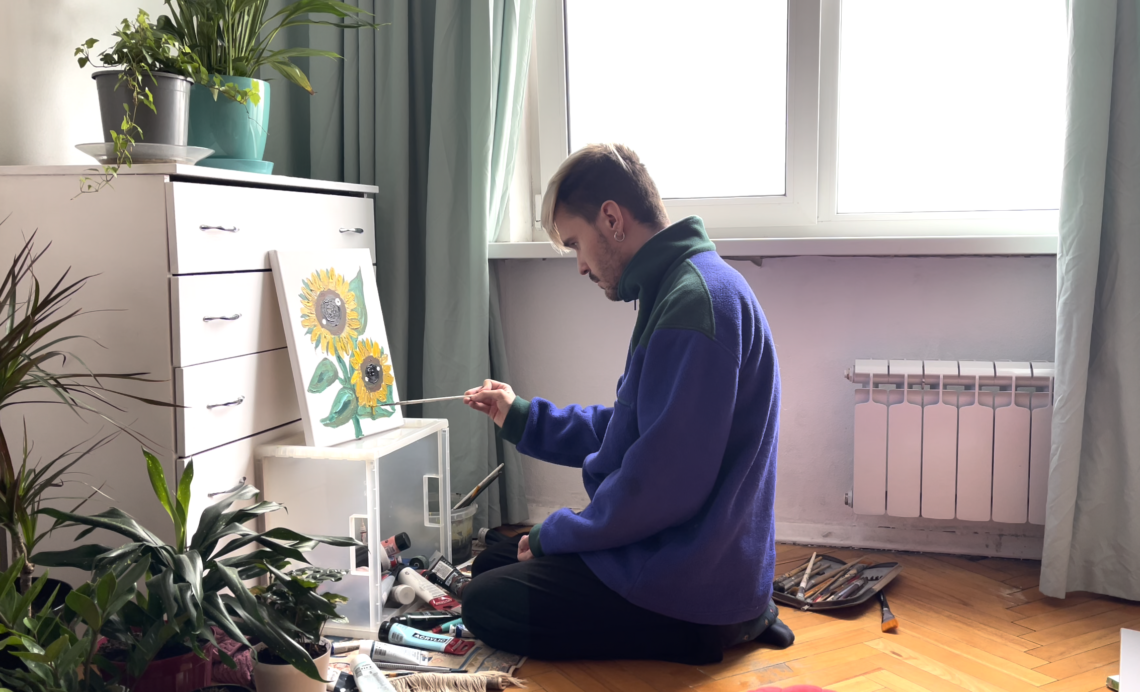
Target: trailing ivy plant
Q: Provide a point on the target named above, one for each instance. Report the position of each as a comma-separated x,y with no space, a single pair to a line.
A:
139,51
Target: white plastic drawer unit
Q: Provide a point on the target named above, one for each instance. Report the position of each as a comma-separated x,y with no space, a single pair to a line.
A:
219,228
230,399
370,488
217,316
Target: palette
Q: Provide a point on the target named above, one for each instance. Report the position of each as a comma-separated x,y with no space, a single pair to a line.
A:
879,574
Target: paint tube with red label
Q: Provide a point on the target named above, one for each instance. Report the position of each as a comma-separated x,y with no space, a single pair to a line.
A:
406,636
444,575
436,597
392,547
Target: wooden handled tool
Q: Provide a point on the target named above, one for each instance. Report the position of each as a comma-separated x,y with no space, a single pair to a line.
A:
788,585
424,401
840,582
807,573
890,622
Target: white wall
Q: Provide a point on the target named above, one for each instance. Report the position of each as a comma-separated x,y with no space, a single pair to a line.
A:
47,104
567,343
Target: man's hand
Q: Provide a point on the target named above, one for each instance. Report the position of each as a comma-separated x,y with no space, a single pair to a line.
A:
494,399
524,549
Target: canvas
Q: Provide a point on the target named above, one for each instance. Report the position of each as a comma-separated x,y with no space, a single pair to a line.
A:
341,365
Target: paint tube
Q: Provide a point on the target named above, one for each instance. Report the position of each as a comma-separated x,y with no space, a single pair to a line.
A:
442,629
403,594
392,547
368,677
434,596
444,574
386,584
380,652
460,632
406,636
427,619
491,536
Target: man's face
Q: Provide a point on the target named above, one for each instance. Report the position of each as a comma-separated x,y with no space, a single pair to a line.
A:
597,256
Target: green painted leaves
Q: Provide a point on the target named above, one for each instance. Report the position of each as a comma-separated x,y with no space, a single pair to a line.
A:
357,287
343,408
323,377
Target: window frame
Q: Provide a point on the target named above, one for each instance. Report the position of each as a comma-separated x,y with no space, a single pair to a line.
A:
807,210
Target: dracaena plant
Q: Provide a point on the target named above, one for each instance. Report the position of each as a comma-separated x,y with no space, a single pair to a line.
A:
185,583
235,37
38,367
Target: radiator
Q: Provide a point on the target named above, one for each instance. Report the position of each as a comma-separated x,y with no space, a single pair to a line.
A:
952,439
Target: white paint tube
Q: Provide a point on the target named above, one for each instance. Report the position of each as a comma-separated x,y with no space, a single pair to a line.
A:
381,652
403,594
386,584
460,632
368,677
434,596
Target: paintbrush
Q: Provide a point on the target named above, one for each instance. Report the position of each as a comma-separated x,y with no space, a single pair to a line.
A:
788,584
479,488
828,579
788,575
890,622
413,402
807,573
840,582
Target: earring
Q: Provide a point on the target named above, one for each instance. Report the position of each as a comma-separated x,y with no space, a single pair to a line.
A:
621,237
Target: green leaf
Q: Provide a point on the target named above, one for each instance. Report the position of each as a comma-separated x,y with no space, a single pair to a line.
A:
323,377
343,408
158,482
357,287
381,411
183,498
86,609
104,590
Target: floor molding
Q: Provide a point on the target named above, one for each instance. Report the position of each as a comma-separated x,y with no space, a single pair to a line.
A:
961,540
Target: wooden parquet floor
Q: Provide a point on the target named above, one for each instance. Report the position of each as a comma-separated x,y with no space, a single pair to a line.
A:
964,624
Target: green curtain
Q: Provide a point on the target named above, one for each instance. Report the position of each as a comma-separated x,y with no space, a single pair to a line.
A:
429,110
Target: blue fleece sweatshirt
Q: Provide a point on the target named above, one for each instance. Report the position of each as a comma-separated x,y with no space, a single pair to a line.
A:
681,470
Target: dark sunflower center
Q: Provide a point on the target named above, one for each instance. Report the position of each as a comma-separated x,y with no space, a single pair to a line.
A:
331,311
373,373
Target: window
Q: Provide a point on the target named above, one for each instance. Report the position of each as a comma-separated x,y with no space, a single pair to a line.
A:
818,118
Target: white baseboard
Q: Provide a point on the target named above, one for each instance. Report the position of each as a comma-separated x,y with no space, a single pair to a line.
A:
961,540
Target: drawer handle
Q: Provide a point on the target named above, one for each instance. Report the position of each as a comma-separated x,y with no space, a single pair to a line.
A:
352,230
227,318
235,402
231,490
231,229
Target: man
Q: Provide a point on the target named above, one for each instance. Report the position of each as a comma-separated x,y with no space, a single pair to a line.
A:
673,558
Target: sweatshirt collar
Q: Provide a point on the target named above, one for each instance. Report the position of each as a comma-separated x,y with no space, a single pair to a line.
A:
658,257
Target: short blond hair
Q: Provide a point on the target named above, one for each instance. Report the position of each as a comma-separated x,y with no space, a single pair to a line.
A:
598,173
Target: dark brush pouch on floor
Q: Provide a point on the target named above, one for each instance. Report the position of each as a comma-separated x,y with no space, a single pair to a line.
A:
878,575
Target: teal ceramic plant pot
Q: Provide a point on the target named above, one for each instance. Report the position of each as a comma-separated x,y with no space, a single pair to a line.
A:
235,131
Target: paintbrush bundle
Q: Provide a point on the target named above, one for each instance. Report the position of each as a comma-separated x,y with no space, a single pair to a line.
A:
439,682
825,582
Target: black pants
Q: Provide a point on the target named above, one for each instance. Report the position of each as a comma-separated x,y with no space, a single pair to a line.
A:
554,608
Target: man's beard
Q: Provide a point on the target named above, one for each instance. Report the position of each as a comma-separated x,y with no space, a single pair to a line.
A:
610,266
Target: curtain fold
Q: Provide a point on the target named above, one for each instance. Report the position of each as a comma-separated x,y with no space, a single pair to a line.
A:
1092,530
428,109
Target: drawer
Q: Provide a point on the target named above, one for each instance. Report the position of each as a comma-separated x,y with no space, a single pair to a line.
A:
231,399
220,471
218,316
218,228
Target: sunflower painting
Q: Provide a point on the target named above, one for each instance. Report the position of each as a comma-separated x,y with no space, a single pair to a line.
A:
336,336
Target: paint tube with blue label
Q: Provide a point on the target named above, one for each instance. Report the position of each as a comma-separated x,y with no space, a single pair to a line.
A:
460,632
406,636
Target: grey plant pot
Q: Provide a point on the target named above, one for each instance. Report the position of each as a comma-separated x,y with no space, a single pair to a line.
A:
169,125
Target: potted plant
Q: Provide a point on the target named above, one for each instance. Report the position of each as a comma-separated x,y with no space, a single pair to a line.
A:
233,40
144,96
59,646
292,599
34,359
187,582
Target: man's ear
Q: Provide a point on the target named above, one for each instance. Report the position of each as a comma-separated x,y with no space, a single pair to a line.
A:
612,219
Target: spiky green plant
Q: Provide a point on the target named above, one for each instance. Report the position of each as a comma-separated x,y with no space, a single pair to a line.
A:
235,38
36,367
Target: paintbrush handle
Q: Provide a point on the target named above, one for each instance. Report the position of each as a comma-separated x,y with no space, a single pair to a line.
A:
828,580
789,575
483,485
424,401
807,573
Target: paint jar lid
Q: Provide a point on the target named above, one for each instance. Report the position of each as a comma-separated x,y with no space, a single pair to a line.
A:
403,542
385,627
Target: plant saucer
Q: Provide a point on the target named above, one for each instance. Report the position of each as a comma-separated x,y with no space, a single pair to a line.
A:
144,152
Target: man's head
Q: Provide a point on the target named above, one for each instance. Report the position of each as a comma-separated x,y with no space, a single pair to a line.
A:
602,204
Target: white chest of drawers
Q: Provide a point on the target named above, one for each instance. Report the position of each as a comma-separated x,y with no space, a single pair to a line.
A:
178,256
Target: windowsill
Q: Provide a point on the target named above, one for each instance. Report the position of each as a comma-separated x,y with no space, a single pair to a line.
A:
835,247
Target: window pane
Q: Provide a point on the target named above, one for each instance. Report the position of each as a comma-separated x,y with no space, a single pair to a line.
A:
698,90
951,106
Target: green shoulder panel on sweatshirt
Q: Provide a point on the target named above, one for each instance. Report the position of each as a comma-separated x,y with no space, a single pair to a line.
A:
683,302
